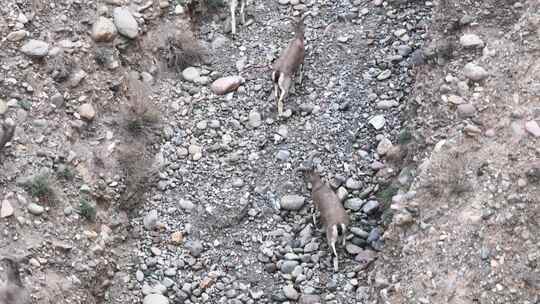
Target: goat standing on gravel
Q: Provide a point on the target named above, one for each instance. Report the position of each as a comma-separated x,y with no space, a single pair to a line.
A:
232,5
12,290
334,218
288,63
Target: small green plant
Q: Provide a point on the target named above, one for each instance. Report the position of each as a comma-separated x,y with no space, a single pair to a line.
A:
87,210
65,173
405,137
39,186
25,104
387,193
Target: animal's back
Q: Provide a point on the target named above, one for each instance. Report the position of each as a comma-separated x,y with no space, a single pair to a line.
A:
291,58
328,203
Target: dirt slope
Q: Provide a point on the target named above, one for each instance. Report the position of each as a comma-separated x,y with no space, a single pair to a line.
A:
475,233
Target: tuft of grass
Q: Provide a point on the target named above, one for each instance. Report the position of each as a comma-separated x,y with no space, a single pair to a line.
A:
25,104
140,115
385,197
87,209
64,172
405,137
139,175
386,194
39,186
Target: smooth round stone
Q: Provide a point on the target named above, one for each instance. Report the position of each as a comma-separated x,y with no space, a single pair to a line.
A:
155,299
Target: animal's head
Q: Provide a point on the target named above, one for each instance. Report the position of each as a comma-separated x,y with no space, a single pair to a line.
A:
299,23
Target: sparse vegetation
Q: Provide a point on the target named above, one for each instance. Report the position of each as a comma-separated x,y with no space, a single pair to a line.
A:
182,50
385,195
138,173
87,209
405,137
449,174
140,114
64,172
40,186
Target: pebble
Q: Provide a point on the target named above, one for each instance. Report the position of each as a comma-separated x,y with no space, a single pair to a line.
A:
466,110
533,128
186,205
195,248
191,74
35,48
195,151
290,292
386,104
309,299
288,266
365,256
125,22
87,111
457,100
227,84
6,210
353,184
384,75
283,155
370,207
155,299
254,119
76,77
353,249
3,107
354,204
471,41
139,276
292,202
104,30
377,121
384,146
150,219
359,232
17,35
35,209
475,72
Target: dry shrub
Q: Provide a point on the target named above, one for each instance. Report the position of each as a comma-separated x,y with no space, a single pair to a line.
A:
140,114
181,49
448,174
136,164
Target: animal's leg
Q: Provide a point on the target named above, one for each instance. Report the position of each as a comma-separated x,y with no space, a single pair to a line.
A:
343,233
242,12
314,216
233,4
284,83
301,76
275,78
332,237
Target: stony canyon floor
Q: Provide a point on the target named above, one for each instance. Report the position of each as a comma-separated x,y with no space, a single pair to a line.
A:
131,179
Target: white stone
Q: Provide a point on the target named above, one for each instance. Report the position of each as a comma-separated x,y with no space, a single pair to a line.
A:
125,22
